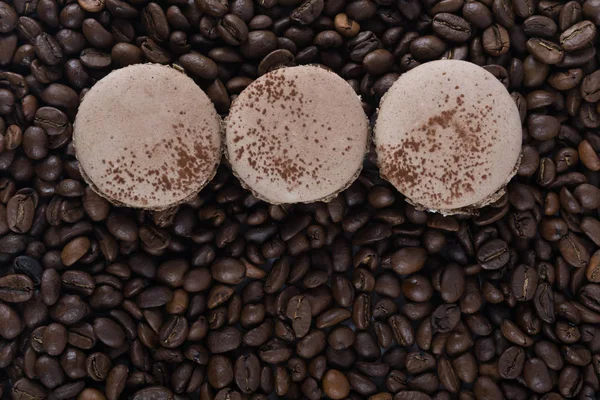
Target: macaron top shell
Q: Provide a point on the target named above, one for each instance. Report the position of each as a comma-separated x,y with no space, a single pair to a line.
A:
448,136
147,136
297,134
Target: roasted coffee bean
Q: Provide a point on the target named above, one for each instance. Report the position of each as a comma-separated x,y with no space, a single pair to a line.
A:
116,381
477,14
427,48
247,373
54,339
109,332
16,288
545,50
259,44
495,40
47,49
28,389
578,36
451,27
537,376
20,212
308,11
510,363
493,254
540,26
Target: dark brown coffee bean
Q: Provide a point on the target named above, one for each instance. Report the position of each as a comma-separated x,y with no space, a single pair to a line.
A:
510,363
493,254
570,14
68,390
573,250
153,392
451,27
28,389
47,49
20,212
536,376
16,288
540,26
174,332
426,48
496,40
308,11
247,373
199,65
477,14
588,156
109,332
259,44
96,35
116,381
224,340
12,325
544,302
228,271
578,36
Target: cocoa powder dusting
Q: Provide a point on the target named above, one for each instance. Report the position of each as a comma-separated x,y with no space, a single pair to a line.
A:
279,157
178,161
446,156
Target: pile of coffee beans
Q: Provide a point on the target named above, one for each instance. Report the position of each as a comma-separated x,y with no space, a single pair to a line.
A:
228,298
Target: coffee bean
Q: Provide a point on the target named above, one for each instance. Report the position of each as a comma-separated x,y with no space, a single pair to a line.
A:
27,389
335,384
477,14
308,11
16,288
116,381
361,45
427,48
536,376
510,363
545,50
493,254
12,325
259,44
199,65
496,40
47,49
153,392
228,270
540,26
299,311
20,212
109,332
578,36
60,96
247,373
95,34
28,266
451,27
544,302
68,390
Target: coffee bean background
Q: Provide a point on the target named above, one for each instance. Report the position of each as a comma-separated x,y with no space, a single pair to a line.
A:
226,297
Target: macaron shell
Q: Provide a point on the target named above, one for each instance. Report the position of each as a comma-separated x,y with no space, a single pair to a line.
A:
297,134
448,136
147,136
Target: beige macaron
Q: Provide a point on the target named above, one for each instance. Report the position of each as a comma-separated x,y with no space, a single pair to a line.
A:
147,136
297,134
448,136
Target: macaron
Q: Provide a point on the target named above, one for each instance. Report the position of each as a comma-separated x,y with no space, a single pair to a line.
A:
448,136
297,135
147,136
